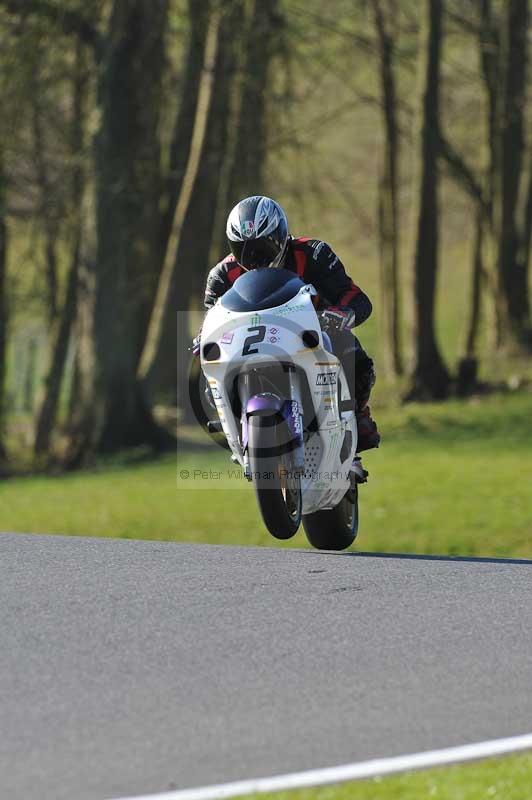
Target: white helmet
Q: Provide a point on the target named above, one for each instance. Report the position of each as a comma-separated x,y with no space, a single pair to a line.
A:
257,230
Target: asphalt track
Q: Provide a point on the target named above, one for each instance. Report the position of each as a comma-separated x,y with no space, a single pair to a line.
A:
131,668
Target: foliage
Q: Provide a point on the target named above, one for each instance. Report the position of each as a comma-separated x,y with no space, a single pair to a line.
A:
318,109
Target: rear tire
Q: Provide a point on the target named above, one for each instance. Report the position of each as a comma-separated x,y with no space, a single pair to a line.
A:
277,489
337,528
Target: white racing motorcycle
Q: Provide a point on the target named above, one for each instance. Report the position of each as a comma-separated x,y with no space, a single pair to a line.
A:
284,406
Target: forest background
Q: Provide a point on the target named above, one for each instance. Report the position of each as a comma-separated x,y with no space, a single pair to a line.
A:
399,132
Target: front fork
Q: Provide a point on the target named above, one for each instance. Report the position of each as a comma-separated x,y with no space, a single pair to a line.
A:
269,403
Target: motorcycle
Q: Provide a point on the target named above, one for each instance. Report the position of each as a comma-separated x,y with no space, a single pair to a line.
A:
284,406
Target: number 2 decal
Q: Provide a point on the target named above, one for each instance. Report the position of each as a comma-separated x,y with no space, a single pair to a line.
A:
255,339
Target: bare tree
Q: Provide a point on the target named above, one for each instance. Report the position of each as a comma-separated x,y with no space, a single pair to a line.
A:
198,17
430,378
513,290
231,164
163,296
3,303
128,190
385,20
48,211
61,337
523,256
258,43
170,368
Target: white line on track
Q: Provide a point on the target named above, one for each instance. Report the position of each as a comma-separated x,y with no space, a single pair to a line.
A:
349,772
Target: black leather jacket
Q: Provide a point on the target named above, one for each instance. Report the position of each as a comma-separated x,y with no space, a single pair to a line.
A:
314,262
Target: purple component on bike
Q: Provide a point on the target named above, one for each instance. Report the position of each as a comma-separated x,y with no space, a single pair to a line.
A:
263,404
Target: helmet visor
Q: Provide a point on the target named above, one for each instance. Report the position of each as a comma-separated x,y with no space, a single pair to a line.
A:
256,253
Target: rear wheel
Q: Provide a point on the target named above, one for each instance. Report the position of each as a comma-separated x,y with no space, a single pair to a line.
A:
277,488
336,528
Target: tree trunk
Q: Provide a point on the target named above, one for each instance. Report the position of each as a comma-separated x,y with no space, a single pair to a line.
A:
247,169
466,179
198,13
47,414
468,366
30,372
242,172
162,303
3,306
82,412
388,196
48,212
430,379
512,277
526,228
226,192
489,53
128,189
489,50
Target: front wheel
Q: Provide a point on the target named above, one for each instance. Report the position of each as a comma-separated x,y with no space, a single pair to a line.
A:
336,528
277,487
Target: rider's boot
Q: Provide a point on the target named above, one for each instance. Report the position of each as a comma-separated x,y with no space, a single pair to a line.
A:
368,438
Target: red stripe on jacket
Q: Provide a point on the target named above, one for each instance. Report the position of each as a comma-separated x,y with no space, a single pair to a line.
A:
346,298
234,273
301,262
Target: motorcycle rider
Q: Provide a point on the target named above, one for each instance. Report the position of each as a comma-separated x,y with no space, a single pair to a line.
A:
258,236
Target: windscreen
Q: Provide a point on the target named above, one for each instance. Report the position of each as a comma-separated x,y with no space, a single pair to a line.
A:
262,288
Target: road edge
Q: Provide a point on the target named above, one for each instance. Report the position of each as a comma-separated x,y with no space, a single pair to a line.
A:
349,772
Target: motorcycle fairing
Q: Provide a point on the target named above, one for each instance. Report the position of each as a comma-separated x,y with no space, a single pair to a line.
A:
248,345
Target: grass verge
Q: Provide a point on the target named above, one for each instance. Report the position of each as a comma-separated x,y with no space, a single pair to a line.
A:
450,479
508,778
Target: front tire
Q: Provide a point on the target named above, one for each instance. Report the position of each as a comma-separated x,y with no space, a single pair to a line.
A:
277,488
336,528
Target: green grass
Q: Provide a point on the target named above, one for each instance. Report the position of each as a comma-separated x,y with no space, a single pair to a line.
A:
449,479
500,779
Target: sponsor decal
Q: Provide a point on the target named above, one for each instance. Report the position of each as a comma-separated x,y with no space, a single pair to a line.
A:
215,393
326,379
248,228
296,417
227,338
290,310
274,339
255,319
274,331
